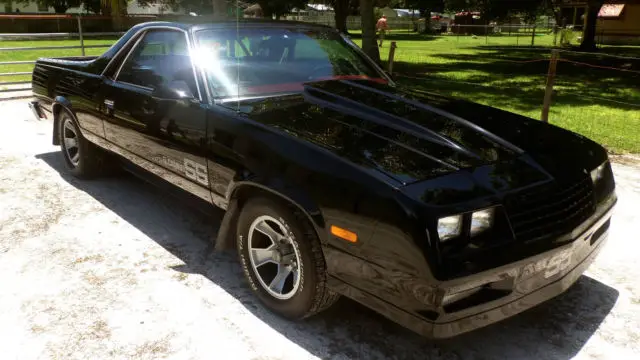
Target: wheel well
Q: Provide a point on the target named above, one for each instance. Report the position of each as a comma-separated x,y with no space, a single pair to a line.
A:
239,197
56,120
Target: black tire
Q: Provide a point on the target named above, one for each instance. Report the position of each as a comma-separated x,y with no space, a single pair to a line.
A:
312,295
85,160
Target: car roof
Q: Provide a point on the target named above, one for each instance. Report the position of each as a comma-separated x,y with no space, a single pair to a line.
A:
205,22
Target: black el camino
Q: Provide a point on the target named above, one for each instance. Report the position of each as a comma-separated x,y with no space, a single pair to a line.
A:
441,214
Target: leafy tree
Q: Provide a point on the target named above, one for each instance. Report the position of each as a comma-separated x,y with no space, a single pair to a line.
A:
426,7
93,6
59,6
499,9
200,7
278,8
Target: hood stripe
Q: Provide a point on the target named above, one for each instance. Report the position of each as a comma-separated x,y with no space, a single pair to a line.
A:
435,137
360,114
446,114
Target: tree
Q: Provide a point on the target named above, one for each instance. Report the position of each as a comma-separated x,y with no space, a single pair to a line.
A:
369,44
278,8
500,9
340,11
94,6
426,7
219,8
59,6
589,33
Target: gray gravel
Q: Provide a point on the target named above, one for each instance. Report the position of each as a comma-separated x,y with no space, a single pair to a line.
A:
114,269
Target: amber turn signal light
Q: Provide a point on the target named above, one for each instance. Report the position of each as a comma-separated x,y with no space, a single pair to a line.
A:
344,234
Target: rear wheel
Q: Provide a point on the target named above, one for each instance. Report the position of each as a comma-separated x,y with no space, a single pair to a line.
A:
82,158
282,259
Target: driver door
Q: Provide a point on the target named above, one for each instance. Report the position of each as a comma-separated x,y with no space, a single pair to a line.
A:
156,131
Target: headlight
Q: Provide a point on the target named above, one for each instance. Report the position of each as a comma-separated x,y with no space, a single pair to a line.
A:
597,173
449,227
481,221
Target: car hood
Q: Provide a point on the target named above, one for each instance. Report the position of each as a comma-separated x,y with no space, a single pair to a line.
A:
411,137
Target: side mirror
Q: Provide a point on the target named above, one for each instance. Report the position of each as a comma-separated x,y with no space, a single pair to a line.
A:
175,90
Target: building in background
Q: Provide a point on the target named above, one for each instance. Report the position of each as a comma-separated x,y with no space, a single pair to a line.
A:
619,23
618,20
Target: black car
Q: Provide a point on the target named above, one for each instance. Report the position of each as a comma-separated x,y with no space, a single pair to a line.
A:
441,214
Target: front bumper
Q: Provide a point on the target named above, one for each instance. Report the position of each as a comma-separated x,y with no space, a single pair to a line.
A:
524,284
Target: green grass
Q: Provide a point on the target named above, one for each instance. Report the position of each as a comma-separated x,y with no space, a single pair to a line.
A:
501,70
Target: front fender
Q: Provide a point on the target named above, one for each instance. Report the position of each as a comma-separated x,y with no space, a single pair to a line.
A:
240,191
293,195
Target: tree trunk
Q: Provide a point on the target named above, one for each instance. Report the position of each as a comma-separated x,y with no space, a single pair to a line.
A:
267,11
589,32
60,9
105,7
369,44
340,15
219,9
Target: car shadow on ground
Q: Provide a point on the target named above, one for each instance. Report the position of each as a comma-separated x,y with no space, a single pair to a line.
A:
557,329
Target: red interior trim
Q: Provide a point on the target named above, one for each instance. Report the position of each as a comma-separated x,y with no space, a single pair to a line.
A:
297,86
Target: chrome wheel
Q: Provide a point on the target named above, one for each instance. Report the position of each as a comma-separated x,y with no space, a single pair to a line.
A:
274,258
71,143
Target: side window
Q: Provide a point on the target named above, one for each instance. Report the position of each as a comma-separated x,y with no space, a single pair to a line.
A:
159,58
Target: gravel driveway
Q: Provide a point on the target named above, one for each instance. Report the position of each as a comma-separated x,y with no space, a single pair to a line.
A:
114,269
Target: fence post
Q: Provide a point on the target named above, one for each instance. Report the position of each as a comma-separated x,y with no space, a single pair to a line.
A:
551,77
486,34
533,35
392,52
80,32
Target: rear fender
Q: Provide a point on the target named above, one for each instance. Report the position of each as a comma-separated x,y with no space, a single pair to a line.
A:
60,103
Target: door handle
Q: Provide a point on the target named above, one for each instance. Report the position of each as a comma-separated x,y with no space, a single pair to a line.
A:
108,106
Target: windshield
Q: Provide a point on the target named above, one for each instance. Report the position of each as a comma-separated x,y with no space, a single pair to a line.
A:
243,62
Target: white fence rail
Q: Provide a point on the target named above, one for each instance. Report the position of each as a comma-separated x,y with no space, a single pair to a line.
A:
31,36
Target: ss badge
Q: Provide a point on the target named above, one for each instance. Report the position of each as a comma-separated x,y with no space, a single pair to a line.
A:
558,263
196,172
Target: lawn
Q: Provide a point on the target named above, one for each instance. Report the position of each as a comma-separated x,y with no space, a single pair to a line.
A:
502,71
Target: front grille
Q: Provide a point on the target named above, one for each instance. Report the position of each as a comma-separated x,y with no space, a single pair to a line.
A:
550,210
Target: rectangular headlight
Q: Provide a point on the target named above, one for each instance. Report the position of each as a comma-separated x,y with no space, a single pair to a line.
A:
449,227
481,221
597,173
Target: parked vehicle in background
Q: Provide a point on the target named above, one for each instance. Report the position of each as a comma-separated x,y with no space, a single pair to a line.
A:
443,215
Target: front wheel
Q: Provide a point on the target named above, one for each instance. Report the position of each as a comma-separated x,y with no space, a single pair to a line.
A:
282,259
